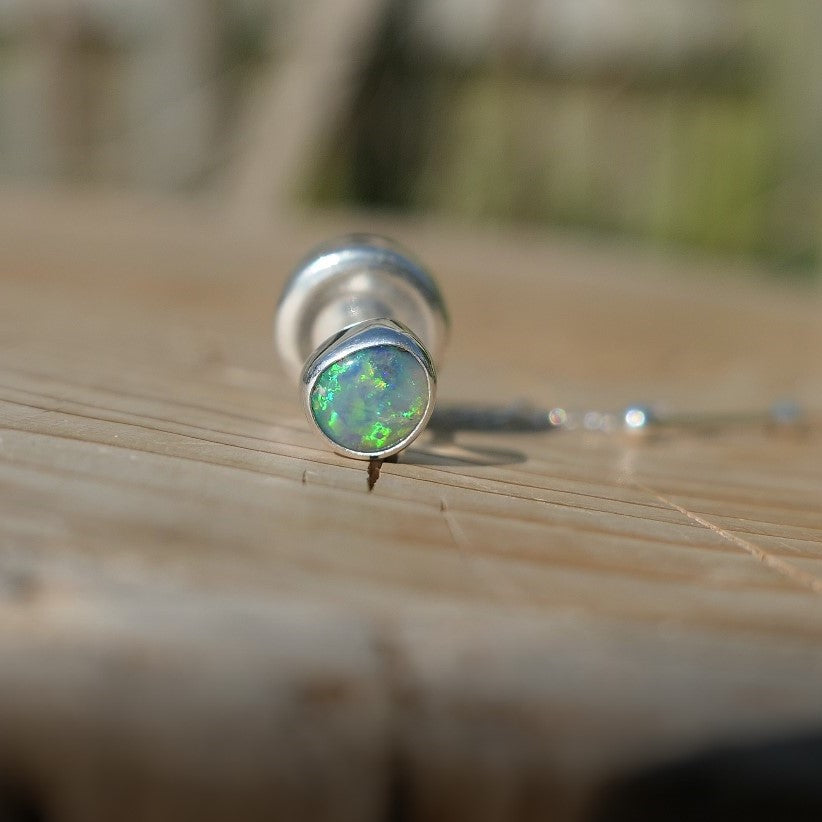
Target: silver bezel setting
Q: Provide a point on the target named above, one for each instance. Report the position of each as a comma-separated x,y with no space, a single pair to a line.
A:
351,340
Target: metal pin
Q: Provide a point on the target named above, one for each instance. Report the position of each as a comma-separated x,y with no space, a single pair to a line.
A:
784,414
636,418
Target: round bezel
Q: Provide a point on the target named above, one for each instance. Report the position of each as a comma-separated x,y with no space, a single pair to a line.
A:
357,338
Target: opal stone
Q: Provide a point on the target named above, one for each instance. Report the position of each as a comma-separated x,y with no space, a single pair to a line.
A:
372,399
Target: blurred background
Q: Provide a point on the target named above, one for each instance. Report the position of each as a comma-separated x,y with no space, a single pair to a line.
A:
695,124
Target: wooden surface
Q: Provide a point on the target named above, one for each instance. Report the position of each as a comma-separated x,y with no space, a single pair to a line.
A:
204,615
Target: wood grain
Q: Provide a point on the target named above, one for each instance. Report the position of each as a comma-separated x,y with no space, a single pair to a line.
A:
204,615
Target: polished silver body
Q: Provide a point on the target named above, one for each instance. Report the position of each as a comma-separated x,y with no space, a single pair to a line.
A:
351,280
355,293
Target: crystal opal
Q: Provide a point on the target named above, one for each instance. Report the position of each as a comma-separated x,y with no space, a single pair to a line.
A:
371,400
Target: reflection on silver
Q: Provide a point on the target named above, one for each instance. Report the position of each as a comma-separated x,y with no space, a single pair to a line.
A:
635,418
352,280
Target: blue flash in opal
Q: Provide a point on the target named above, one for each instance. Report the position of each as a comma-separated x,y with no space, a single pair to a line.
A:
371,400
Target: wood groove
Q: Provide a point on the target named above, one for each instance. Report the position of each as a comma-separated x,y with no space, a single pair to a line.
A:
770,560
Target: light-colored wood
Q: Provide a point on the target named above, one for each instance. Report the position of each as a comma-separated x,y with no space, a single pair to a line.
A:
204,615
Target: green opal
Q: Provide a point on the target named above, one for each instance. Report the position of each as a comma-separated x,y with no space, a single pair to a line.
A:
372,399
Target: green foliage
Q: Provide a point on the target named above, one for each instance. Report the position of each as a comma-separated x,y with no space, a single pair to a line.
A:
693,157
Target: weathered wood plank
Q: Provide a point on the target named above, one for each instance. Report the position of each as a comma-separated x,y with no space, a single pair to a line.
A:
204,614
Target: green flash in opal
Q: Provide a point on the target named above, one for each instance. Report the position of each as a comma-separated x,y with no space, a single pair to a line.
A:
372,399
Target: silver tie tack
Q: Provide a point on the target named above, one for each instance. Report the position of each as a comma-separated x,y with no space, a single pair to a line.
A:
360,326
